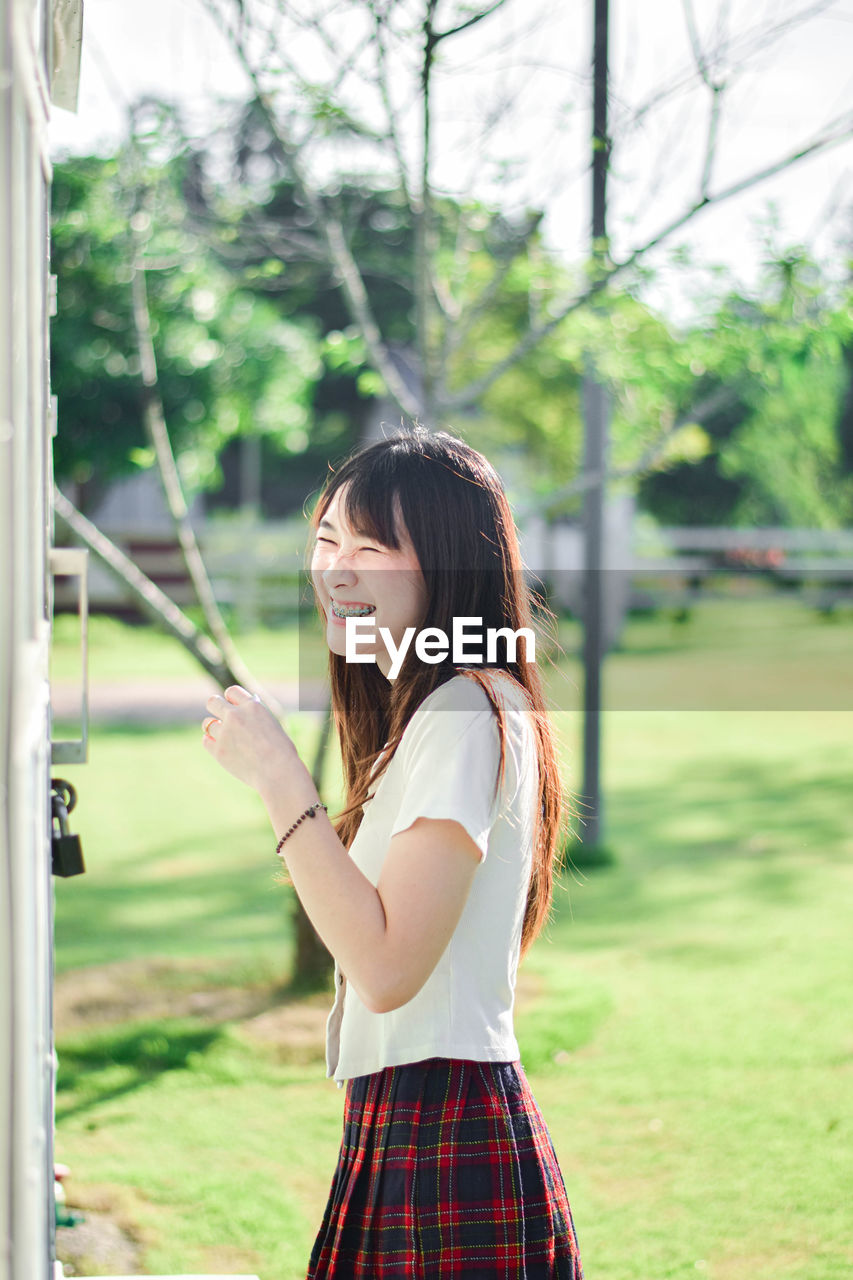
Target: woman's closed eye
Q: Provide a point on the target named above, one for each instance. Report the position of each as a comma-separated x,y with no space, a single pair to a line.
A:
330,542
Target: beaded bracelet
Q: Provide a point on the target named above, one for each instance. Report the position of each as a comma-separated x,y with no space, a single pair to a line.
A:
309,813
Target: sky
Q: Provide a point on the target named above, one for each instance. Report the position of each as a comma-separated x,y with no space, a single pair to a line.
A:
533,57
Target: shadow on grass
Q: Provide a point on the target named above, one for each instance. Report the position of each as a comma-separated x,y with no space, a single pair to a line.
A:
220,1035
180,900
724,833
588,857
115,1062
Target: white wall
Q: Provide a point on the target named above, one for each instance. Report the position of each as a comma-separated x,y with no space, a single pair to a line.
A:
26,1182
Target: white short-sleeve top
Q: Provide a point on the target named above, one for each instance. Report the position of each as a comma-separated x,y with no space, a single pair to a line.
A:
446,766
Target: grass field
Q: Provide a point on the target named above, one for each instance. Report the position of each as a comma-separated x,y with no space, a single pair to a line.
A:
685,1023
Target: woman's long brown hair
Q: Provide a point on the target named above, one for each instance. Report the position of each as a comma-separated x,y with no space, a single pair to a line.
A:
454,508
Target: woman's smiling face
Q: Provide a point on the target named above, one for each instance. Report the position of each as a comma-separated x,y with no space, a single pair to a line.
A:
354,575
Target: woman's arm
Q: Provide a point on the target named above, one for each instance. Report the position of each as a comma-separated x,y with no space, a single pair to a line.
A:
387,939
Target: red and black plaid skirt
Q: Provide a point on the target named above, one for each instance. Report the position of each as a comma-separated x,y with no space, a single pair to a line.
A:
446,1169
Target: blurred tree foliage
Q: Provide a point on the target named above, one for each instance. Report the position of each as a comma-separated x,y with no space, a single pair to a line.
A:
230,364
779,453
253,339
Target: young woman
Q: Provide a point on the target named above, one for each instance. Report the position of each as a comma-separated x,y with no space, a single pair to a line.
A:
436,876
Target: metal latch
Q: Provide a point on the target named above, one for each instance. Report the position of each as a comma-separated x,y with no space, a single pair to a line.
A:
67,852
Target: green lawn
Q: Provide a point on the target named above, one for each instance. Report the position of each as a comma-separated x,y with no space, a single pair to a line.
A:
756,653
118,651
685,1024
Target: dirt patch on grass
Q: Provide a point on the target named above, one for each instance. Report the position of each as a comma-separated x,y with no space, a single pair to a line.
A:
293,1027
228,1260
294,1031
150,990
765,1264
108,1242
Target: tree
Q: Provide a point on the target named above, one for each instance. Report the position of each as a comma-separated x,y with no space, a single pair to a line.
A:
332,82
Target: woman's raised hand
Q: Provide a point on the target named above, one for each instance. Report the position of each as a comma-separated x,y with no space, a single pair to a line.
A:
247,740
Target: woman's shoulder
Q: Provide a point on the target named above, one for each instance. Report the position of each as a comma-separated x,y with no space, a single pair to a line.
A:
462,711
467,693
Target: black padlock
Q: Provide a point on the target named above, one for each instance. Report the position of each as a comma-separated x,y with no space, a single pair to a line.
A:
67,853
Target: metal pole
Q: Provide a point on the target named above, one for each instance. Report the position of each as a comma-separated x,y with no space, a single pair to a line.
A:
596,416
600,137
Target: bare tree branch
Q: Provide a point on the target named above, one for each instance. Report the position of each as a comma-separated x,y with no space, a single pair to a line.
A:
332,233
715,86
737,50
154,602
717,401
158,433
696,45
348,65
471,22
156,605
711,140
385,93
155,425
473,392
